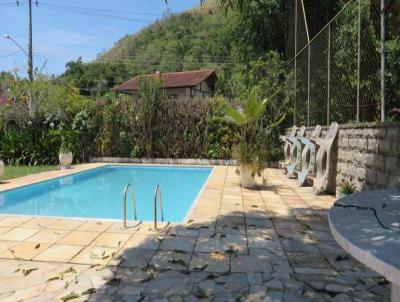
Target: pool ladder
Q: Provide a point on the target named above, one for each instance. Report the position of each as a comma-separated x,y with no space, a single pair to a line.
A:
129,186
157,193
157,197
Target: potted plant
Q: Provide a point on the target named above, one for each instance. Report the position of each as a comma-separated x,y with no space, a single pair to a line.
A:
65,155
346,187
251,151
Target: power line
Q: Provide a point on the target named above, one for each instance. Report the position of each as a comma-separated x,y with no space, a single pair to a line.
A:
89,13
10,54
102,10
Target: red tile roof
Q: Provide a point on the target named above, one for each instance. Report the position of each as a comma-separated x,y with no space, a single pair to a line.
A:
171,79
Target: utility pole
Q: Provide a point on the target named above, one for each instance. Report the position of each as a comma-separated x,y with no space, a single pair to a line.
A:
30,56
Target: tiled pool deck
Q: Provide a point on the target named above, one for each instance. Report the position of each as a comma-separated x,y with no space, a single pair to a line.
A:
271,244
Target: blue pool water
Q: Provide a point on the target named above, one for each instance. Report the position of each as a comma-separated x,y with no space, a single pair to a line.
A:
97,193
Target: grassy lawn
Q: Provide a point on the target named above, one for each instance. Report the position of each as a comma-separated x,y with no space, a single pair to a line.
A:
13,171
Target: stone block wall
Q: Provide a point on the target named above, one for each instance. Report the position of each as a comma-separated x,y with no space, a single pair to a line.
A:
370,153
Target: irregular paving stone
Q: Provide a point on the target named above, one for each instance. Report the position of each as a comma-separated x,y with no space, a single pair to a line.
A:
293,297
130,298
257,293
281,268
346,280
265,242
304,260
256,223
255,278
293,285
171,260
172,243
133,257
317,285
207,289
210,262
365,296
336,288
217,243
380,290
131,290
258,260
231,225
342,298
274,284
316,296
315,271
233,282
168,283
300,245
274,296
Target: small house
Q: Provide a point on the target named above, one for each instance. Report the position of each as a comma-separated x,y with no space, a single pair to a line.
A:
185,84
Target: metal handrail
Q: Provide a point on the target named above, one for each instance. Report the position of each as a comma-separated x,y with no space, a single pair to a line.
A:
133,202
157,192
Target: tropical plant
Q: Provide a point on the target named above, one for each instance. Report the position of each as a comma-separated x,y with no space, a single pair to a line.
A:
251,151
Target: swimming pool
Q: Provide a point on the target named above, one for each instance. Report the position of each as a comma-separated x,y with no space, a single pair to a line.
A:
97,193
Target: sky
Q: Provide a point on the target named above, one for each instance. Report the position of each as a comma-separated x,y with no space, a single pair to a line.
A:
66,30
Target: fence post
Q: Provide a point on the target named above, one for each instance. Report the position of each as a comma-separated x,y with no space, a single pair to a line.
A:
358,61
295,63
382,60
329,77
308,86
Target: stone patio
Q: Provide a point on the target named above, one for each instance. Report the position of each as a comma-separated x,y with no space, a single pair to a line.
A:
270,244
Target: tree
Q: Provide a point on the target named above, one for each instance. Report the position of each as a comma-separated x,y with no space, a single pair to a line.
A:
151,97
96,78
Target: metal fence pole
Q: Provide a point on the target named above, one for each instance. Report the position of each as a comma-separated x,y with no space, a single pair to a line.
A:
358,61
382,60
295,63
329,77
308,85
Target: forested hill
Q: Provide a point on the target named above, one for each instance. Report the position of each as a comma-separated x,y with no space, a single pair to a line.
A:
198,38
194,39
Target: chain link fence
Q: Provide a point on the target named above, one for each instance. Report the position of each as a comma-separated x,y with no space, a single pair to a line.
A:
337,75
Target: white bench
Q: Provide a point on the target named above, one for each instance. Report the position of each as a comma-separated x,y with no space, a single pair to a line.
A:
367,226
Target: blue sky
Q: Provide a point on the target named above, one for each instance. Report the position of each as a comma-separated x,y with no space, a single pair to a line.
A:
62,34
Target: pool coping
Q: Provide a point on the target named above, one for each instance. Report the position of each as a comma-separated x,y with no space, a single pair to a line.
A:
93,166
